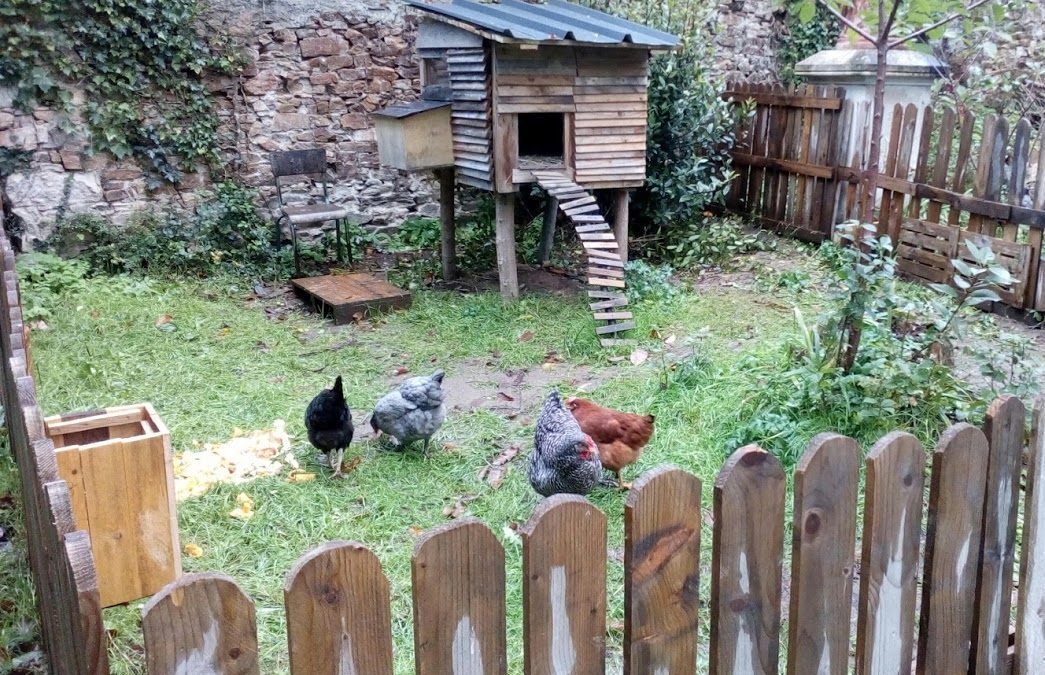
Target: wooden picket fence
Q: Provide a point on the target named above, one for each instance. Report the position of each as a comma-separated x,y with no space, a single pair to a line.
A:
937,599
946,177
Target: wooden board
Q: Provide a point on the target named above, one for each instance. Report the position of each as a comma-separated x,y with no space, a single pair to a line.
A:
959,473
823,555
662,525
1004,430
746,563
1030,631
564,587
925,250
889,562
459,606
347,295
202,623
338,615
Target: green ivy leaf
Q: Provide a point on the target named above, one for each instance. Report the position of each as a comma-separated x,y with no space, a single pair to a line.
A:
806,11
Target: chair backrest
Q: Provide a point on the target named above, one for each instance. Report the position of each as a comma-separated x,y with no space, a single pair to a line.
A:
311,163
298,162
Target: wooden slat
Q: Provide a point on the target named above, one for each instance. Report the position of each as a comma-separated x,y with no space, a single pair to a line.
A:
459,606
921,168
605,272
602,253
746,560
889,561
564,587
1030,631
580,210
823,555
1004,430
617,342
612,316
326,631
942,162
608,304
959,472
604,282
662,522
200,623
615,328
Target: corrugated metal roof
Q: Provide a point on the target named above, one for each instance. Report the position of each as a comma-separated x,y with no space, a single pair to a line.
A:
407,109
548,21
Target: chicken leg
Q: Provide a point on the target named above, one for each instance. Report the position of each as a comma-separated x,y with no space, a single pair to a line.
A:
336,457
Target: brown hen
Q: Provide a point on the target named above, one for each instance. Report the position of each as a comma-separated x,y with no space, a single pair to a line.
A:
620,436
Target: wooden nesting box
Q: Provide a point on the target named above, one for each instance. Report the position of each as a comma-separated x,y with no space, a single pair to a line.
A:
415,135
117,463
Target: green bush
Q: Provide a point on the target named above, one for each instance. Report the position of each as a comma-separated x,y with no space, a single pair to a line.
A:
712,241
225,234
647,281
44,278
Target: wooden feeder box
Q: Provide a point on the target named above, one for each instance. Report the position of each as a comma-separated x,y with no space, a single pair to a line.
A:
415,136
118,465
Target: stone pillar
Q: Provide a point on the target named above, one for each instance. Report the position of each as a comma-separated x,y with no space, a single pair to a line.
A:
909,79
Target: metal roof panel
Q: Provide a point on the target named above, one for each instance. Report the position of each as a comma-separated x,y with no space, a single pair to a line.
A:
548,21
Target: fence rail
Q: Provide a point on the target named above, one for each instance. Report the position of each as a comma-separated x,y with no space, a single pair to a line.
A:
337,597
945,177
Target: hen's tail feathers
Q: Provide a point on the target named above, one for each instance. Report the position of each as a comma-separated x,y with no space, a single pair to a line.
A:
338,388
438,375
651,419
373,424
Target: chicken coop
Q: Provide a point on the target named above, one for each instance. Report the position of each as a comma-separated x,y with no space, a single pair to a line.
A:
538,92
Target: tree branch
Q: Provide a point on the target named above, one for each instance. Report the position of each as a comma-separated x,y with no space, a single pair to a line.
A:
892,19
942,22
852,26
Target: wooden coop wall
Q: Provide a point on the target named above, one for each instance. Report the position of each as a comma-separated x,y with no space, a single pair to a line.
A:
471,119
600,91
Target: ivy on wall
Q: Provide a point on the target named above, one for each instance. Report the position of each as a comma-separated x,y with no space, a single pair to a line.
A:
140,65
804,36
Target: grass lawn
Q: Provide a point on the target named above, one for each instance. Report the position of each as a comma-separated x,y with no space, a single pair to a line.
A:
236,361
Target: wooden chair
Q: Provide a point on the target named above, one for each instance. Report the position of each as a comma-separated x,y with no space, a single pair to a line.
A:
313,165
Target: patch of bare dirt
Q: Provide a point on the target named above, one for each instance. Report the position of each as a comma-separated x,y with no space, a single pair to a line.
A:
552,280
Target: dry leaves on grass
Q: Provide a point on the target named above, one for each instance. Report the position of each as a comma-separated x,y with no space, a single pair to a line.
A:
458,508
242,458
495,472
527,336
639,356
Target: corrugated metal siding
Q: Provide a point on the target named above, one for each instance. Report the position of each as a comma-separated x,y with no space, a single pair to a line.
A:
471,117
548,21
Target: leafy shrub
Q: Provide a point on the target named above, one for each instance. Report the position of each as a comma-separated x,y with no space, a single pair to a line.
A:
804,36
44,278
224,234
649,282
712,241
416,234
690,134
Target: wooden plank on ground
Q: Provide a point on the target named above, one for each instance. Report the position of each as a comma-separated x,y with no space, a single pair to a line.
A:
959,472
201,623
662,522
823,556
459,606
889,562
746,558
564,587
338,615
1004,430
350,294
1030,628
612,316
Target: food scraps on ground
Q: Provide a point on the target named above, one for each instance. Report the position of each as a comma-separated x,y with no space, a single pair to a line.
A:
242,458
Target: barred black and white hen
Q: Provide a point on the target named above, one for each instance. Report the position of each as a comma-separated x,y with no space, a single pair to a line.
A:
329,424
564,458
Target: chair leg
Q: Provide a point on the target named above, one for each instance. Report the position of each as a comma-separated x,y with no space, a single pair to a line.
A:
297,254
337,234
348,243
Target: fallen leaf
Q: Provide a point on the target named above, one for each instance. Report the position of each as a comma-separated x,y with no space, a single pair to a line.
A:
300,476
457,509
163,320
553,357
401,370
225,331
654,333
262,347
415,531
193,551
449,447
7,501
638,357
495,472
351,465
527,336
670,340
38,325
547,365
506,397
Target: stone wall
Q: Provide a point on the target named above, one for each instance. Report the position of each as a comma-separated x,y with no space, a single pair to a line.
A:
317,70
745,34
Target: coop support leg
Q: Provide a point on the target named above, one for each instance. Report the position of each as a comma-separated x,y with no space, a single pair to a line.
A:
506,265
551,213
620,221
446,221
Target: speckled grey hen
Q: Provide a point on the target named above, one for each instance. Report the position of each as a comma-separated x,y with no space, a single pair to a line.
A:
413,412
564,458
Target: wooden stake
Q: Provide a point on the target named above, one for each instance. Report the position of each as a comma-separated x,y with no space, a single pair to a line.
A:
446,218
551,212
506,269
620,222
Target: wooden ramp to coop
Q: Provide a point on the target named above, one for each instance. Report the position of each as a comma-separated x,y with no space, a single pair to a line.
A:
605,265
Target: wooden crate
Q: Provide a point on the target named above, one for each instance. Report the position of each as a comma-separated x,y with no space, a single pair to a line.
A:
1016,258
925,250
117,463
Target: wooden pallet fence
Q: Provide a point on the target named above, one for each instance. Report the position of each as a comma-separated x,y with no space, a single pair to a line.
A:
797,174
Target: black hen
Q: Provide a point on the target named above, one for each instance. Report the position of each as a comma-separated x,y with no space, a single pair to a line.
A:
564,459
329,424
